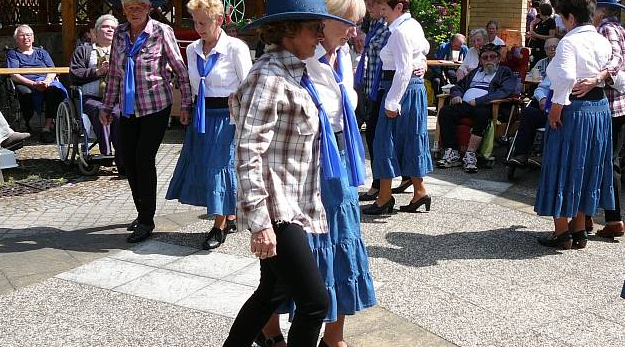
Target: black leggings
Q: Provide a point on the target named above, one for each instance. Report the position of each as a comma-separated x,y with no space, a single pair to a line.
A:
291,274
52,97
141,137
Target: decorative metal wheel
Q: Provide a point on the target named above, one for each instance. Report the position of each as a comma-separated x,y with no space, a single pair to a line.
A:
235,9
65,138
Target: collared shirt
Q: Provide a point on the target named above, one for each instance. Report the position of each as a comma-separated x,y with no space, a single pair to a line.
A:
404,52
612,30
582,53
471,60
230,69
542,91
479,85
153,90
329,91
277,146
497,41
373,53
542,66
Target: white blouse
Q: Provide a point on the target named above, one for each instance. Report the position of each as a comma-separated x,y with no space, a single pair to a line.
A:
404,52
329,91
498,41
471,61
230,69
581,53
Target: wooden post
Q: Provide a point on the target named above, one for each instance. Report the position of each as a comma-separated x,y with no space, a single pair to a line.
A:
177,5
68,12
464,18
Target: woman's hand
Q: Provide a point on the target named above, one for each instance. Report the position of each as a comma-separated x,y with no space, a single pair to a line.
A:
263,243
184,117
584,85
105,118
391,114
554,117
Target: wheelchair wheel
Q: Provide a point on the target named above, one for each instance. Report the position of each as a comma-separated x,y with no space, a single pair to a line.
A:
88,169
66,140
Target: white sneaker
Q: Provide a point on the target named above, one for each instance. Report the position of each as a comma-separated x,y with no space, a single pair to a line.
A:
450,159
470,162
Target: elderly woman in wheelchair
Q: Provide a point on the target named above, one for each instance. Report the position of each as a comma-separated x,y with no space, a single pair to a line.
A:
34,90
88,72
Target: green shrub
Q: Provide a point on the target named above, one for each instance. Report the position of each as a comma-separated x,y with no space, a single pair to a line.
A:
439,19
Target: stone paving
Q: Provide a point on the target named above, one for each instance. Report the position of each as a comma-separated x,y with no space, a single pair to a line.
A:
469,273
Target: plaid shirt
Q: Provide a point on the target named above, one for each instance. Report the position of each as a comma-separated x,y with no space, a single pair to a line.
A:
611,29
373,52
277,146
153,91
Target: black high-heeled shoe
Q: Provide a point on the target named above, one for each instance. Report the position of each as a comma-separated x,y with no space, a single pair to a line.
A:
262,341
374,209
231,226
580,239
368,197
556,241
402,187
414,206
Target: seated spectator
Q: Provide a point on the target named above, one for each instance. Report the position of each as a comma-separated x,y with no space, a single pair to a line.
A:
356,47
34,88
550,48
89,69
8,137
231,30
492,27
478,38
532,117
455,50
471,97
542,29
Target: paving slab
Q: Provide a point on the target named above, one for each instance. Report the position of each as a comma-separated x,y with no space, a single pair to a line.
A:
106,273
223,298
154,253
210,264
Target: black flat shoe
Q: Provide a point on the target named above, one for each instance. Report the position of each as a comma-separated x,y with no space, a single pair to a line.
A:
214,239
374,209
414,206
402,187
132,225
580,239
565,241
367,197
140,233
261,341
231,226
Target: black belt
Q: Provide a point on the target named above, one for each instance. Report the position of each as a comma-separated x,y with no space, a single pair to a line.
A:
387,75
215,102
340,140
594,94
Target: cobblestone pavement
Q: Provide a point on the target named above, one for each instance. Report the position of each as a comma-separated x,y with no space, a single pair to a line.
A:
469,273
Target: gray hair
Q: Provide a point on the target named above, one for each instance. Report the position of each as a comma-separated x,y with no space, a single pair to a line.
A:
103,18
479,31
124,2
20,27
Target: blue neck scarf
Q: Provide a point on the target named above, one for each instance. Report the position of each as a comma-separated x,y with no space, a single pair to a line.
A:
129,81
330,157
359,76
373,95
200,108
354,148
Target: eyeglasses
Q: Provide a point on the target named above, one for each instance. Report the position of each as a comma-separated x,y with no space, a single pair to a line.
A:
551,47
489,56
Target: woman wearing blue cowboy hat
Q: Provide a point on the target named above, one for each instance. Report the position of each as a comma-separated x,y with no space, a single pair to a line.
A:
278,146
139,80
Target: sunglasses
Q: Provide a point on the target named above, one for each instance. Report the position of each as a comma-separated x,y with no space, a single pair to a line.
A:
489,56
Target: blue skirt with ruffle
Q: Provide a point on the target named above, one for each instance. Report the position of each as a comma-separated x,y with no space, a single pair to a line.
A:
401,146
576,171
205,174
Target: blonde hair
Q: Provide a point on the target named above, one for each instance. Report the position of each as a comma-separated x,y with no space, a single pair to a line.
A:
212,8
347,8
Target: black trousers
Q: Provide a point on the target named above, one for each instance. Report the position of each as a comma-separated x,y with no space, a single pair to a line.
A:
618,138
52,97
141,137
291,274
373,111
532,118
451,115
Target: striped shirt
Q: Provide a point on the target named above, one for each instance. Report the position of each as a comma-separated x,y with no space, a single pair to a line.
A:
277,146
612,30
378,40
153,90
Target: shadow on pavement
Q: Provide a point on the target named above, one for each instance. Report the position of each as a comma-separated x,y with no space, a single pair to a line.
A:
420,250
